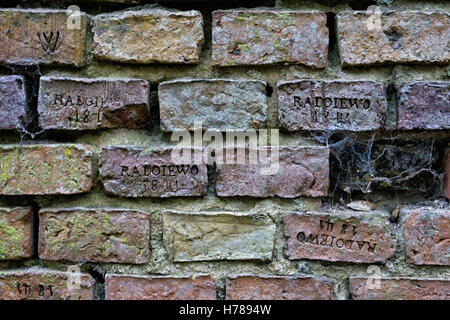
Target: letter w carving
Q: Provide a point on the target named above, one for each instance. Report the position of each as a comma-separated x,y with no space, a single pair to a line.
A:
49,41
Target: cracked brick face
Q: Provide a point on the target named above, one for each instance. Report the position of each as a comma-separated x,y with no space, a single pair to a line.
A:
97,235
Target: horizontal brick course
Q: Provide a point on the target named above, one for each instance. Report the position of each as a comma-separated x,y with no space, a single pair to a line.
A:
14,113
216,103
266,287
135,172
15,233
135,287
339,236
300,171
258,37
149,36
42,36
209,236
87,104
42,284
97,235
45,169
400,289
371,38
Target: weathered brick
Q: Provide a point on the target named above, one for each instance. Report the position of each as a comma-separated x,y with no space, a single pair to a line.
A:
399,289
45,169
267,287
97,235
426,235
42,284
331,105
205,236
302,171
148,36
217,103
13,103
87,104
339,236
15,233
447,173
135,172
256,37
136,287
367,38
424,105
42,36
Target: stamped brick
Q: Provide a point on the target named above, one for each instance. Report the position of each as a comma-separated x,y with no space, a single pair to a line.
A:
96,235
206,236
135,172
331,105
13,103
426,235
43,284
447,173
149,36
424,105
339,236
301,171
259,37
42,36
136,287
87,104
369,38
15,233
267,287
216,103
45,169
400,289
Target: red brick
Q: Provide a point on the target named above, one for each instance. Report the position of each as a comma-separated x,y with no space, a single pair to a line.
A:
303,171
135,287
386,37
400,289
42,36
447,173
424,105
13,103
87,104
266,287
45,169
135,172
426,235
339,236
97,235
42,284
258,37
15,233
331,105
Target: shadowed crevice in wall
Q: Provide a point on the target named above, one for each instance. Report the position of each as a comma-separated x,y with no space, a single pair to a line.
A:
154,124
31,74
35,229
99,277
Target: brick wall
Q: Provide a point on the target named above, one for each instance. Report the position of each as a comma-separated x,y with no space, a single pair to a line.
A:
353,98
